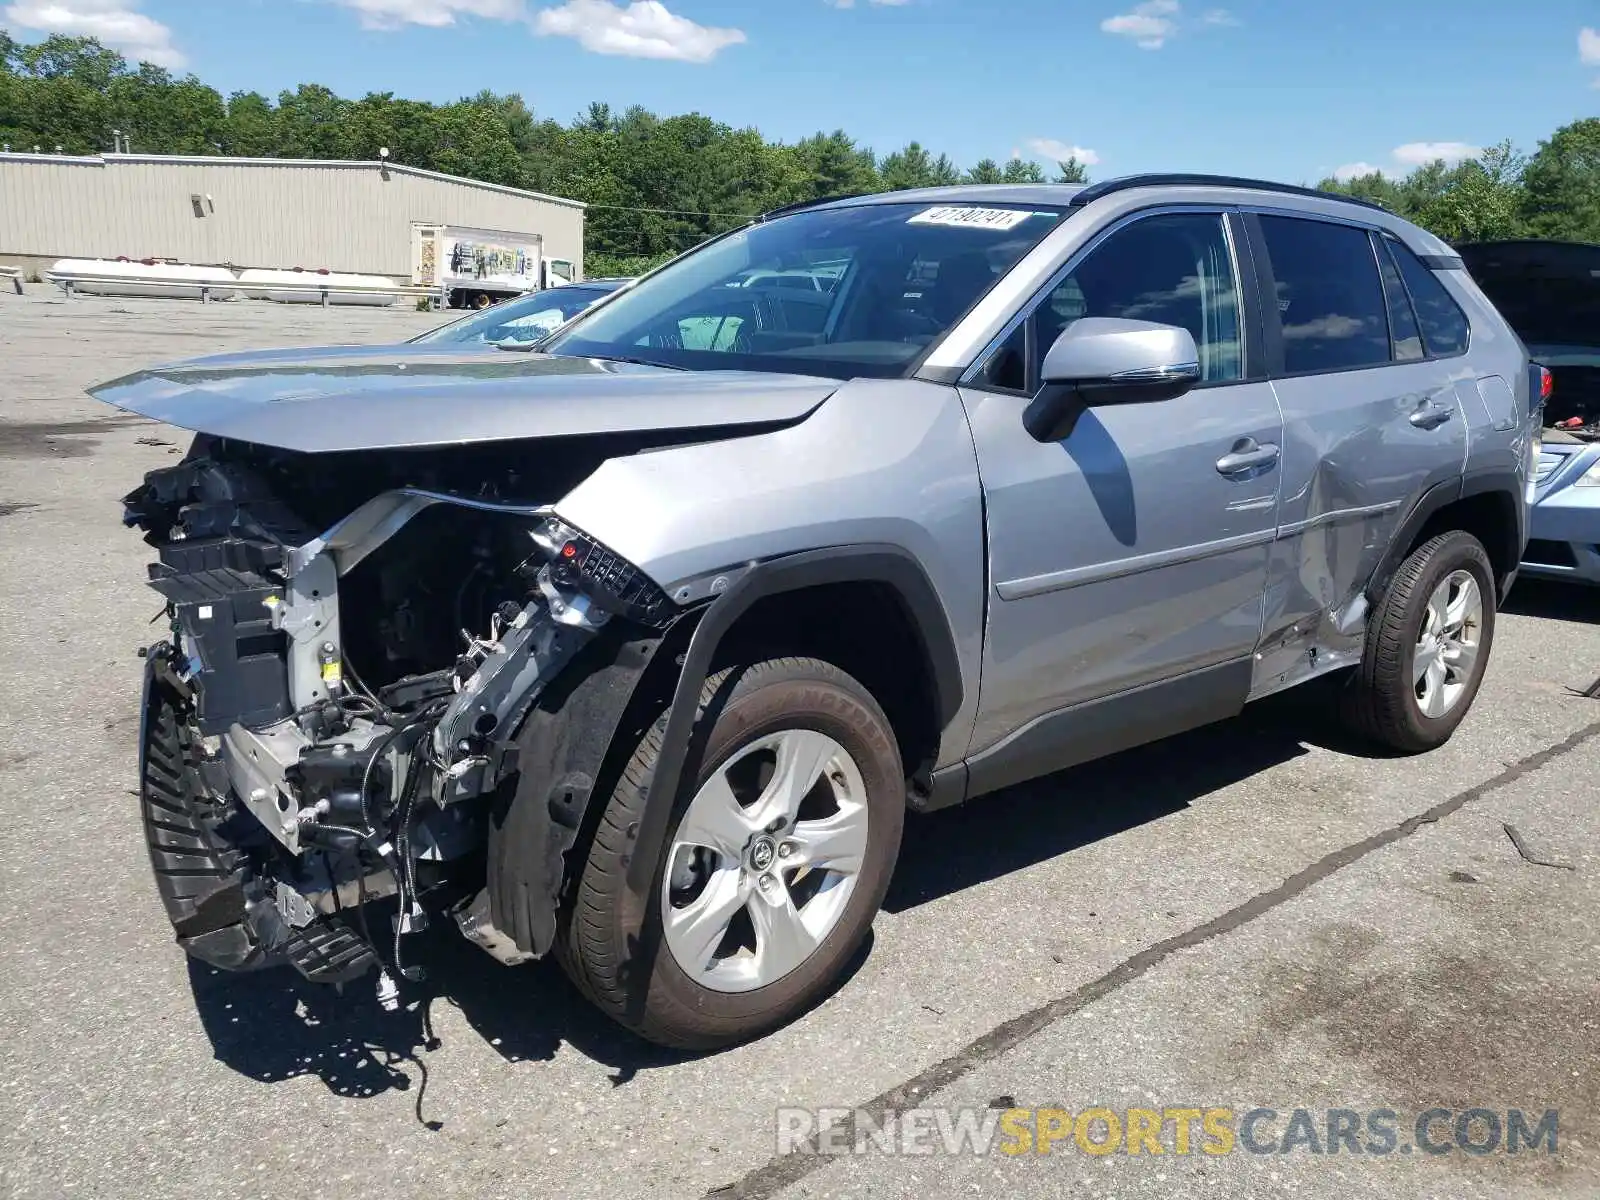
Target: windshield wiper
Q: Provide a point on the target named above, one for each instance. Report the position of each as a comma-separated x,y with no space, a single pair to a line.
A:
632,362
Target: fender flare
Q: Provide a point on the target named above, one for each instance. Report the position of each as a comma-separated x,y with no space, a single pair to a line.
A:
1440,496
882,563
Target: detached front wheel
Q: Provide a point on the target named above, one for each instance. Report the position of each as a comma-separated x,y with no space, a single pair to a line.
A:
781,846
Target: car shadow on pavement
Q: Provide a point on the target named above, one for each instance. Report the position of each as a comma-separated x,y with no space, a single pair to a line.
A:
273,1025
1554,601
992,836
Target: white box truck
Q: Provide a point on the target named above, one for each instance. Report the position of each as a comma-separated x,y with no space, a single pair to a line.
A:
474,268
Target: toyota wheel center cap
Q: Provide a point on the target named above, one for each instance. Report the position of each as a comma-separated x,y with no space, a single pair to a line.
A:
762,853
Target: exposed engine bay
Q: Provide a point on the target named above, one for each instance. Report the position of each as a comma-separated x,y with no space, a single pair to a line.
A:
354,639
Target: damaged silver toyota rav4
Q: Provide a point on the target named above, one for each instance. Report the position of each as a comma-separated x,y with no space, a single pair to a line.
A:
636,647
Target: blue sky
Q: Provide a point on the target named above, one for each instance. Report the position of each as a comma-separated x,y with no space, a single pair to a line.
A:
1285,89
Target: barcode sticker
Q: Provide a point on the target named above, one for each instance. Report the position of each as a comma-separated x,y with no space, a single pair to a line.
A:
1000,219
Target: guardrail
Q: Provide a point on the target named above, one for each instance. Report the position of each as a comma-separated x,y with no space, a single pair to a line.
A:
70,282
14,274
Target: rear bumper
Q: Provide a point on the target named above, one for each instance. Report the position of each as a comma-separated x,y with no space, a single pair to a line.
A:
1564,536
213,865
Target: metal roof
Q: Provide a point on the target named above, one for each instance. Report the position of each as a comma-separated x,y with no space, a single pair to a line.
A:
219,160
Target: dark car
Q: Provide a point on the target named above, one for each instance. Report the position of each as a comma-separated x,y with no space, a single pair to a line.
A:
1549,293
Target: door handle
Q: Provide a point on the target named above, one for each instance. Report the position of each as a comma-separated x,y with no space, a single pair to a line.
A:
1431,416
1247,455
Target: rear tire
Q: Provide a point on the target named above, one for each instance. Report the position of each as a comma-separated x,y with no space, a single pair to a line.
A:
1422,666
727,999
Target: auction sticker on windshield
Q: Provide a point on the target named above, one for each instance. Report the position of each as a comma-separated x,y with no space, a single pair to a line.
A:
1000,219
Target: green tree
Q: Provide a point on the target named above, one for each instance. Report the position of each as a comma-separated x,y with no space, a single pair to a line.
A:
835,166
1072,171
473,142
986,171
1561,184
912,167
312,123
252,126
1477,200
166,116
1020,170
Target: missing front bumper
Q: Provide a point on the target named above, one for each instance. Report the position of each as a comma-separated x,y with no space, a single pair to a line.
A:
222,903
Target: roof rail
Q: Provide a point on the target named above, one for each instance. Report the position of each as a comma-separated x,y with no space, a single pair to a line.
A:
785,209
1110,186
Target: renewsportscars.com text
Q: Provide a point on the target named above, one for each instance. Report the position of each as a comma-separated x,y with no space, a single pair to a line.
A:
1180,1130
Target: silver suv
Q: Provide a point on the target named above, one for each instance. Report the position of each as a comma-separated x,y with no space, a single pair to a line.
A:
636,647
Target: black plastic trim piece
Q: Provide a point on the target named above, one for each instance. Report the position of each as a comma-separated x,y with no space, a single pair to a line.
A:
1098,728
1440,495
784,210
561,750
1442,262
867,563
1504,481
1248,276
1127,182
1266,284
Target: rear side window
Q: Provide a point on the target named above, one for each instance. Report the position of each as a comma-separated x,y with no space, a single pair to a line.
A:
1404,336
1445,329
1330,300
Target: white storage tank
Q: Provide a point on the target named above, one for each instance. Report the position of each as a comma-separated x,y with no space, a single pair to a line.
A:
296,285
141,277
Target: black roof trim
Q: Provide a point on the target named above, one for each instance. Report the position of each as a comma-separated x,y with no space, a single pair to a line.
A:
1111,186
799,205
1442,262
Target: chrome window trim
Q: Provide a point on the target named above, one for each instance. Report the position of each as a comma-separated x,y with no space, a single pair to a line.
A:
1041,293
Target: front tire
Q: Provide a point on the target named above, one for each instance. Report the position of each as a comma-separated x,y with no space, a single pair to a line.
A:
782,840
1428,643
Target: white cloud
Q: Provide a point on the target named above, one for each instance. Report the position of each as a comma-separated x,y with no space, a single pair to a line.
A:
644,29
1358,170
1412,154
1589,46
435,14
117,23
1219,16
1058,151
1418,154
1149,24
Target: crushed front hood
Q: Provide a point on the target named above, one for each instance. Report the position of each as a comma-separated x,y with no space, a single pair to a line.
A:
398,397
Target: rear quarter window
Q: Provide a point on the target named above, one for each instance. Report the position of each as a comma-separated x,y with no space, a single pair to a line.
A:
1445,329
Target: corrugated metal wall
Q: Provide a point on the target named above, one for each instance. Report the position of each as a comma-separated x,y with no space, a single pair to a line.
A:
260,212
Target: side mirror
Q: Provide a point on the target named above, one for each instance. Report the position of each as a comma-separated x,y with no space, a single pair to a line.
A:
1108,360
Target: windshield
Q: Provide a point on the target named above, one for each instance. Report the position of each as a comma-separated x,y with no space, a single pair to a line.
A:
844,292
525,319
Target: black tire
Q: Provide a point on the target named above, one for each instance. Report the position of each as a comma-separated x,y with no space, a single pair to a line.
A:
1380,699
646,990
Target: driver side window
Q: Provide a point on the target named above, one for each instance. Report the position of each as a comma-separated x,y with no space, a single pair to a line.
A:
1173,268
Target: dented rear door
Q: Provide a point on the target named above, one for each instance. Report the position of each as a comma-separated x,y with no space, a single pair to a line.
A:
1370,424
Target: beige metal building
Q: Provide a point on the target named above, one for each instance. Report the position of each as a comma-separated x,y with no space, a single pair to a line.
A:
256,212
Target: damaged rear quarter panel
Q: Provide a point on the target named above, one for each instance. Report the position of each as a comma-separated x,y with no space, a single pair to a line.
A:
881,462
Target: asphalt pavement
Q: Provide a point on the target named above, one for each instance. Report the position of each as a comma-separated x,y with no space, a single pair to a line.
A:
1259,917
